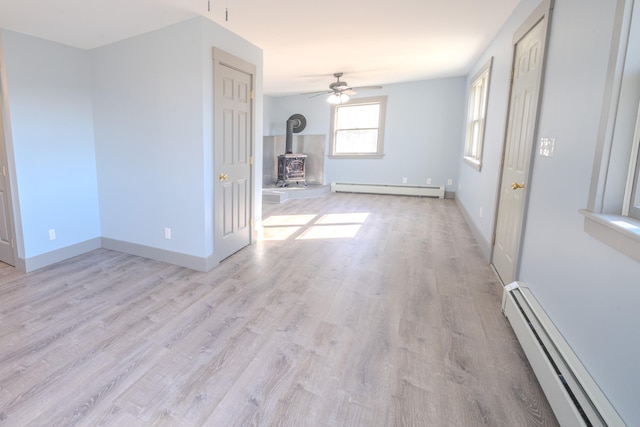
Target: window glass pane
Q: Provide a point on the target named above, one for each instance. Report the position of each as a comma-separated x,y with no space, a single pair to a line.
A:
358,116
356,141
476,112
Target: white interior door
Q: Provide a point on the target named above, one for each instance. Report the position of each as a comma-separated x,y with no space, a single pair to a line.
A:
7,254
519,141
232,150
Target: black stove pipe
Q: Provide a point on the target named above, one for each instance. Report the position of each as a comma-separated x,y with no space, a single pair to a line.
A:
289,138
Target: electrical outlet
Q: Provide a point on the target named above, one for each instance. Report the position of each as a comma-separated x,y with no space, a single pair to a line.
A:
52,234
449,181
428,180
167,233
404,180
480,211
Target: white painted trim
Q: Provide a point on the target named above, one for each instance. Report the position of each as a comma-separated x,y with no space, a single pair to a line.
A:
397,190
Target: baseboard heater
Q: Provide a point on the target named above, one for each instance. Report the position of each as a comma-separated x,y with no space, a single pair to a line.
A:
573,395
397,190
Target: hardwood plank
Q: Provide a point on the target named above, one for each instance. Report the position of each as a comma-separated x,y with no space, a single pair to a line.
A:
397,323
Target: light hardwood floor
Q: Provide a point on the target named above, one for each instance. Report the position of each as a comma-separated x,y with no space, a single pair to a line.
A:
386,315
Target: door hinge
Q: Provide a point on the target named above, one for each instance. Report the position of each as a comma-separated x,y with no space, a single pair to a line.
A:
493,242
4,171
13,243
251,160
251,93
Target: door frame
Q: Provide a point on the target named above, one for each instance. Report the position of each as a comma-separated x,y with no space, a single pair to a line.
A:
5,139
542,12
223,58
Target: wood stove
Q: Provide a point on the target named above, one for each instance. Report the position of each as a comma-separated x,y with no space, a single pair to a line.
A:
291,167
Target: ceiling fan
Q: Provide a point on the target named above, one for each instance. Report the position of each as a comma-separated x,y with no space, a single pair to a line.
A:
340,91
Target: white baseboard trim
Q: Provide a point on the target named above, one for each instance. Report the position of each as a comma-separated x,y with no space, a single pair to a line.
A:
396,190
44,260
183,260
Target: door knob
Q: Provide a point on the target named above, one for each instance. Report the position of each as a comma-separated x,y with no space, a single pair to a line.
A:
223,177
516,186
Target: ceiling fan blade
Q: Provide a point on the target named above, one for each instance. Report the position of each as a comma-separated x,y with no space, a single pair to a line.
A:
349,92
316,92
367,87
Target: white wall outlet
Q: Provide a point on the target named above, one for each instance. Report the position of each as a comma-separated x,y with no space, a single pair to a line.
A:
404,180
480,212
52,234
167,233
428,180
449,181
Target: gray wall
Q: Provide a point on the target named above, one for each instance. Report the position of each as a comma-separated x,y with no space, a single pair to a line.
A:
590,291
422,134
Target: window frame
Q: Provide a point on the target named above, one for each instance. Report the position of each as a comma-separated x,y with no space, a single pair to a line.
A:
472,154
382,101
631,203
615,165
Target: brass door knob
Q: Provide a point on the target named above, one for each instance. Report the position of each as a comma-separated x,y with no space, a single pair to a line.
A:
223,177
516,186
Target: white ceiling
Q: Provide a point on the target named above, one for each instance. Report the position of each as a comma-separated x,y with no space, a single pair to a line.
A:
304,42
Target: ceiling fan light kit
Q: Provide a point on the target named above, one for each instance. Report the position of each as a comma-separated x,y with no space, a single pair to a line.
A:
337,98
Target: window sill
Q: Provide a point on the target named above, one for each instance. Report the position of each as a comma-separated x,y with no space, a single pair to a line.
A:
474,163
355,156
620,232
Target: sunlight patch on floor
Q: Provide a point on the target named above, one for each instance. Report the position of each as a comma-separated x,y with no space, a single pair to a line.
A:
286,220
330,232
303,227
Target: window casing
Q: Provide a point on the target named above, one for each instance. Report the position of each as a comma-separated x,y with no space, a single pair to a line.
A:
357,128
631,204
476,115
613,210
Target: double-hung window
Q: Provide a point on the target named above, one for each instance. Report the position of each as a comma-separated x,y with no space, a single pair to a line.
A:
476,113
357,128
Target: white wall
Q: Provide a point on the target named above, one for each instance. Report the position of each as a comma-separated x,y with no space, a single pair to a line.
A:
50,108
423,131
590,291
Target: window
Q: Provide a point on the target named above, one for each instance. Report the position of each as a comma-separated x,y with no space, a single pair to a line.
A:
631,205
357,128
476,113
613,211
